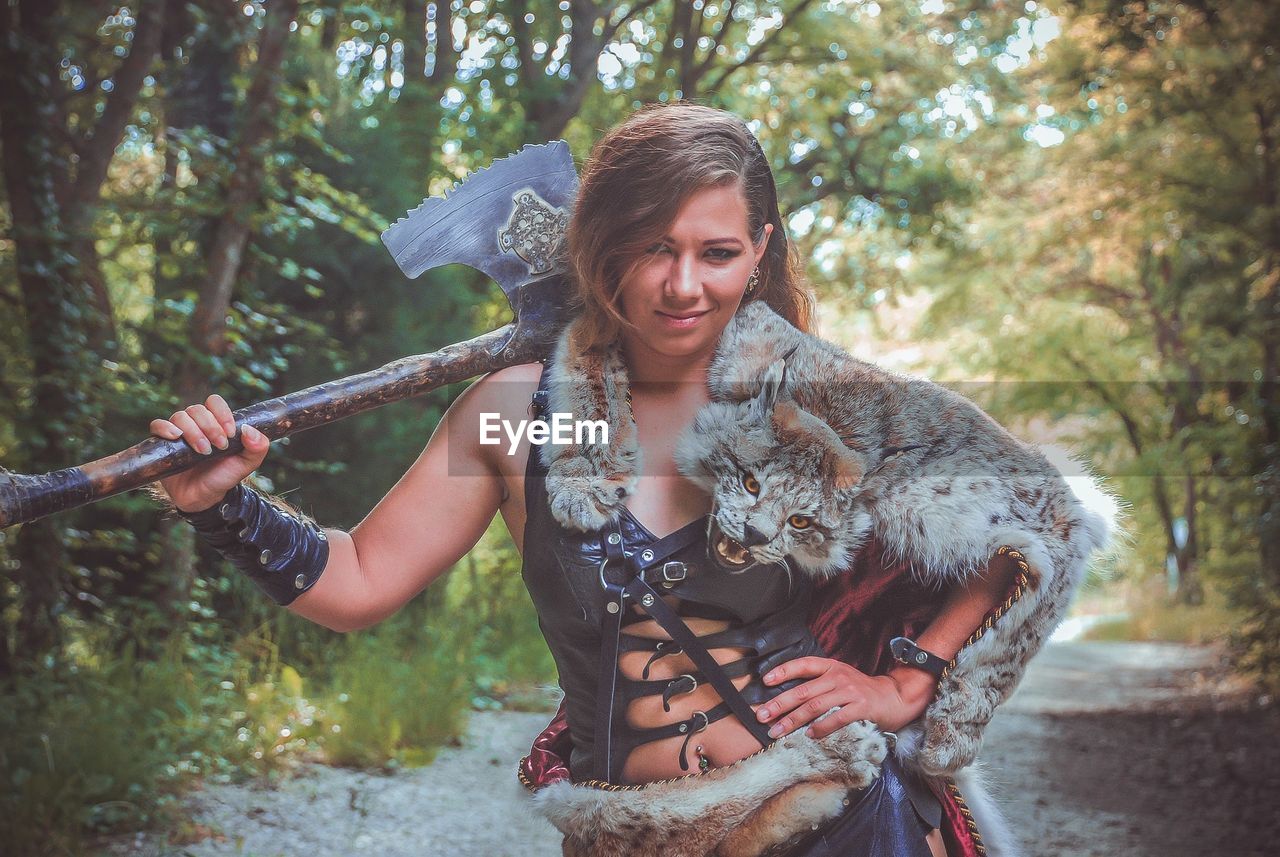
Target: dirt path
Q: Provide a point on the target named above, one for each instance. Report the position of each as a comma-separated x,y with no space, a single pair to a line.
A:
1139,750
1107,749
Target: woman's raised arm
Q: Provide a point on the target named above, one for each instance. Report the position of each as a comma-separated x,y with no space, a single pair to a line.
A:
426,522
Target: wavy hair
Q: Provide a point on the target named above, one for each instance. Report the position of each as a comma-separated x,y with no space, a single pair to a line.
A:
632,187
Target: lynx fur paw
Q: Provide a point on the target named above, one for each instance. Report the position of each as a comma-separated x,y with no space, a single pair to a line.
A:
583,499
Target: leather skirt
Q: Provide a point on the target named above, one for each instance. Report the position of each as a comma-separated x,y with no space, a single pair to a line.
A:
889,818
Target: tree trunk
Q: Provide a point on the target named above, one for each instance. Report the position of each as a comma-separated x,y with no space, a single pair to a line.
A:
244,190
79,200
197,94
1268,471
54,303
1190,587
549,105
202,97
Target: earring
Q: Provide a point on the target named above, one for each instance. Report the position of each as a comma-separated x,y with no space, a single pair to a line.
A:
753,280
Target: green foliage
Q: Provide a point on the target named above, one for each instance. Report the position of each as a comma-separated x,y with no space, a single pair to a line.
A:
104,746
1119,294
400,693
359,138
1255,636
109,741
1257,642
1153,616
401,689
509,658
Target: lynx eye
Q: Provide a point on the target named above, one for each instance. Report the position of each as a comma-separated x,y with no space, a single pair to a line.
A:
751,484
800,522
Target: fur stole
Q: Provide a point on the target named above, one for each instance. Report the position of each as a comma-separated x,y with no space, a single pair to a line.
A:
588,485
747,809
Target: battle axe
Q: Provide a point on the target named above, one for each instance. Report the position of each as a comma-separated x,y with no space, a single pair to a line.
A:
506,220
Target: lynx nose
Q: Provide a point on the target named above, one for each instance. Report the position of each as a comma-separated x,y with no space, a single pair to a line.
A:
752,537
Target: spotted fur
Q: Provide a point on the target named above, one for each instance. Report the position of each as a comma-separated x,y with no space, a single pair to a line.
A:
743,810
940,482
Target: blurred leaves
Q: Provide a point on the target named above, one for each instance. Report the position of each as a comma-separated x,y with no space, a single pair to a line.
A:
1125,266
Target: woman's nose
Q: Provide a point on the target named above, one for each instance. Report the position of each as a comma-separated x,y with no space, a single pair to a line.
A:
684,280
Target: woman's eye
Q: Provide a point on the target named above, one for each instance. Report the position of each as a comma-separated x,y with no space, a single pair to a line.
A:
657,248
722,255
800,522
751,484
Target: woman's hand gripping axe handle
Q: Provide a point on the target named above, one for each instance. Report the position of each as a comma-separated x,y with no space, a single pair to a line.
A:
506,220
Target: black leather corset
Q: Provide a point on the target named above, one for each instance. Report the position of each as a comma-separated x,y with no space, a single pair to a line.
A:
585,586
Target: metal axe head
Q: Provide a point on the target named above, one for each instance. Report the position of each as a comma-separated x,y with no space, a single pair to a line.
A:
506,220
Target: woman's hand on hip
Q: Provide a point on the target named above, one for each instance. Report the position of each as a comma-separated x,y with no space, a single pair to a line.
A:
205,427
834,684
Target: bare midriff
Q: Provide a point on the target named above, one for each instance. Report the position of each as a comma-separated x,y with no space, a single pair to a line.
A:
722,743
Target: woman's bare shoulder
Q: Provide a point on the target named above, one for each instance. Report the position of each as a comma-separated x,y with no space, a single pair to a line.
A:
498,398
509,388
523,373
501,395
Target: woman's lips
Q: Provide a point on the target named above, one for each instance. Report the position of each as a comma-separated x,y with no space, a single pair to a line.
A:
682,320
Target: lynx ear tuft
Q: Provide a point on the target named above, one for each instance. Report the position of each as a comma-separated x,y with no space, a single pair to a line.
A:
771,386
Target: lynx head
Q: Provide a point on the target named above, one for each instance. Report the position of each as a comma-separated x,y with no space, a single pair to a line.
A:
783,482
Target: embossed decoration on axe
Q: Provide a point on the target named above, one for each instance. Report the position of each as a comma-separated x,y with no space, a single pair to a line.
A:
506,220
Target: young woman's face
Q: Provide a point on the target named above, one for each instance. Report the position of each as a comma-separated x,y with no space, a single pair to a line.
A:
683,292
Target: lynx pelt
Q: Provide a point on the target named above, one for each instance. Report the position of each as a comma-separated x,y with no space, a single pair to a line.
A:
813,450
748,809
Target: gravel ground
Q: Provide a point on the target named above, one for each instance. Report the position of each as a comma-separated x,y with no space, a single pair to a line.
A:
1136,749
1107,749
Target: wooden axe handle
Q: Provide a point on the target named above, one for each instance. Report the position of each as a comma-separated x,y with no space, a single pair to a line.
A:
25,498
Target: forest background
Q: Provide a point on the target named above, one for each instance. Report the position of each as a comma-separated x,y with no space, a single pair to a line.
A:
1067,209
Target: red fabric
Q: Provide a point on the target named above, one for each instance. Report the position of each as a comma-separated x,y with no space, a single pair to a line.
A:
854,616
548,760
956,837
856,613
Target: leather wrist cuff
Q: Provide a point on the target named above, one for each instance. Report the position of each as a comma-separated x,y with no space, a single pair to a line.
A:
906,652
280,552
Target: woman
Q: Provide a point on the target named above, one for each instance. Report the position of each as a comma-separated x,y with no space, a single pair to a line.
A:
676,224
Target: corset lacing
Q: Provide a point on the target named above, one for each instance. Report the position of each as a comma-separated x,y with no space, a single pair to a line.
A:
638,576
641,579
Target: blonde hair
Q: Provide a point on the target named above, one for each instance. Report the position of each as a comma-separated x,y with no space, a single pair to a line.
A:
636,180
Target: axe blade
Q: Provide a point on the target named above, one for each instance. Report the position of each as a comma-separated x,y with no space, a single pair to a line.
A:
505,220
